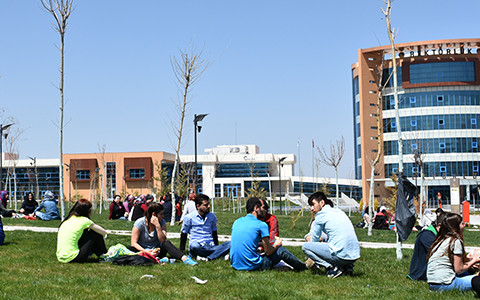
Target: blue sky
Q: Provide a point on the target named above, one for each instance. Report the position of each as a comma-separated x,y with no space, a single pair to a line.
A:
280,72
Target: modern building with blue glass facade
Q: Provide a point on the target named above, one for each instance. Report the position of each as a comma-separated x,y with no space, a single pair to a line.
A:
439,108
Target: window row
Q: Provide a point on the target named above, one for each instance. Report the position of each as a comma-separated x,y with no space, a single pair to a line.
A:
439,98
432,122
436,169
243,170
434,145
442,72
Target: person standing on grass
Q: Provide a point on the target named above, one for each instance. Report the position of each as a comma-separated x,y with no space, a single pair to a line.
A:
342,248
201,225
149,234
448,264
78,236
425,238
247,232
50,205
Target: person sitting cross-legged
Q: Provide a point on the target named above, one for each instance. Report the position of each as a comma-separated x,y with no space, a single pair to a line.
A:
149,234
342,248
201,225
247,232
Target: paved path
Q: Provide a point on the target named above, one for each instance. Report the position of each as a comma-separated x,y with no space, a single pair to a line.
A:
222,238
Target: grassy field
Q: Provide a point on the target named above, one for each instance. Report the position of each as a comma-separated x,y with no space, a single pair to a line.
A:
29,270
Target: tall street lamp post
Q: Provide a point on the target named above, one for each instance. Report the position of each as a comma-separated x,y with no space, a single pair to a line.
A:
2,128
280,179
196,119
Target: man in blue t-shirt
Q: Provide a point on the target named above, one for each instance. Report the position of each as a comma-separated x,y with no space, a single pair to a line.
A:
201,225
248,232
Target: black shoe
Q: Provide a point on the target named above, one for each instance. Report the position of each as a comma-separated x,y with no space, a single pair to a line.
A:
348,270
333,272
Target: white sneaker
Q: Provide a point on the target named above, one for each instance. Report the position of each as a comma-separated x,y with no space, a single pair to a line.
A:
200,258
226,257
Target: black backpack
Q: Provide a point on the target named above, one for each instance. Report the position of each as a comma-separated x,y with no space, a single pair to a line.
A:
132,260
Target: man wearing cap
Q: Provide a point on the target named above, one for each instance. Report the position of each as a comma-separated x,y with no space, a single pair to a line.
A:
201,225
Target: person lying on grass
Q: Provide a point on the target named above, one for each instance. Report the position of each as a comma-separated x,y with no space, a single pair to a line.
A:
448,265
247,232
78,236
149,234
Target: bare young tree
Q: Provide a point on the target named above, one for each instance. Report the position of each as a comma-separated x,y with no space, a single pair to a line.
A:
391,37
187,68
379,150
12,148
60,10
333,159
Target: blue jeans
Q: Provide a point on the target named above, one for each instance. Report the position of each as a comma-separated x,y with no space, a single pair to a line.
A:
321,255
459,283
282,253
208,251
2,234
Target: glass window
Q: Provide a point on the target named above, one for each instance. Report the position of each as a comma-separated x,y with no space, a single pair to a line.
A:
443,169
413,123
137,173
475,168
440,98
474,145
413,99
473,121
394,125
442,72
414,146
441,145
82,174
394,170
441,122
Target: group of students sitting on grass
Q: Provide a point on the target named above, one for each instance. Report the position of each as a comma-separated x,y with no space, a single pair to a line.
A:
439,256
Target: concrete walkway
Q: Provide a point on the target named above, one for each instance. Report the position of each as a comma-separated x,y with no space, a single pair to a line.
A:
223,238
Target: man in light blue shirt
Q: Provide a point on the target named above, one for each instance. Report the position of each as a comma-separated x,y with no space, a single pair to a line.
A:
342,249
201,225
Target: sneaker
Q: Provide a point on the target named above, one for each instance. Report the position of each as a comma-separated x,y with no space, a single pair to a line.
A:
164,260
333,272
201,258
348,271
309,263
226,257
190,261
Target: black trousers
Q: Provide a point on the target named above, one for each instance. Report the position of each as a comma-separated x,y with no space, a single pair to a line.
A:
167,247
90,243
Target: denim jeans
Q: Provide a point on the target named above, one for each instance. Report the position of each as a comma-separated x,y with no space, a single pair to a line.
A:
2,234
282,253
210,252
321,255
459,283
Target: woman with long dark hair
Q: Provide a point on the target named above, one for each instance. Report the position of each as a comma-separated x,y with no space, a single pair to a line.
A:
29,204
78,236
149,234
448,264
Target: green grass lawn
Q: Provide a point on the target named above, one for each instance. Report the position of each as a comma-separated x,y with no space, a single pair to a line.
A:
29,270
